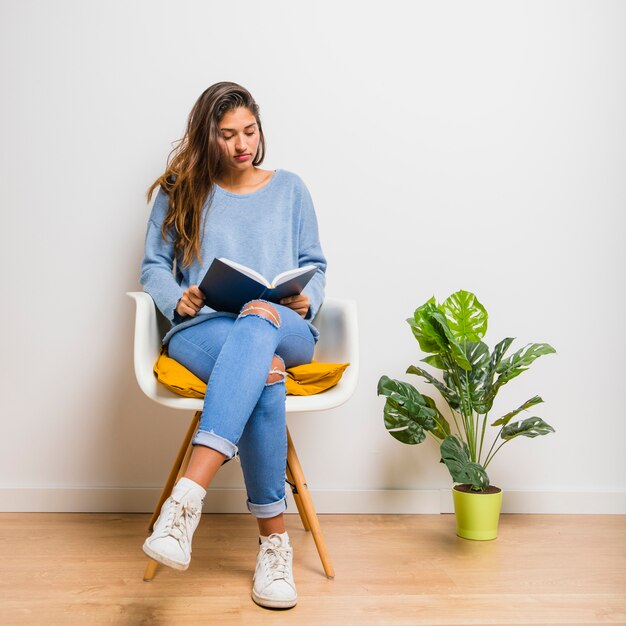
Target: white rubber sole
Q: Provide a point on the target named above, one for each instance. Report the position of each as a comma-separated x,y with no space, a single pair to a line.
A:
164,560
271,603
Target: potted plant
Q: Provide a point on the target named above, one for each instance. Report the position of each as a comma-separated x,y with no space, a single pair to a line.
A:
451,333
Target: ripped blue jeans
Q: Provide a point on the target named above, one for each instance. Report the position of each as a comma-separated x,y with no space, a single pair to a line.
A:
244,405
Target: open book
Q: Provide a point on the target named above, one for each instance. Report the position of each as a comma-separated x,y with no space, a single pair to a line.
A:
227,285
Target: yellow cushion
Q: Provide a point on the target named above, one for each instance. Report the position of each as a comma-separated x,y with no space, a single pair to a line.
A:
302,380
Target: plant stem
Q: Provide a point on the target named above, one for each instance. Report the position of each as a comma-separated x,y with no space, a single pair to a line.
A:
472,433
482,436
453,413
433,436
492,445
452,368
438,424
488,460
464,415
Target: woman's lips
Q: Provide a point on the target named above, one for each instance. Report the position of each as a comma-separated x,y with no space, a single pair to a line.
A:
243,157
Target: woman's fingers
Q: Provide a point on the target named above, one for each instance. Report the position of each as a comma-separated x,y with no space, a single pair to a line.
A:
190,302
196,297
299,303
183,308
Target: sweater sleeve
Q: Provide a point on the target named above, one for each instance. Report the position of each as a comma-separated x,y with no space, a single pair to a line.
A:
157,275
310,252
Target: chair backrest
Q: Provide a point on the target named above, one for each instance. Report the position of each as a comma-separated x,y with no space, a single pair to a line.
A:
338,343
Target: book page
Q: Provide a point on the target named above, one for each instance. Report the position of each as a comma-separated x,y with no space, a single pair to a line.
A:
246,271
289,274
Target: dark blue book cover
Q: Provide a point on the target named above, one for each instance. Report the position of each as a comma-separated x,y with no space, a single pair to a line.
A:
227,285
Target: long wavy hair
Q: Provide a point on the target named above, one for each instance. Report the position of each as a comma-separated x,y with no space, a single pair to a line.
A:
196,162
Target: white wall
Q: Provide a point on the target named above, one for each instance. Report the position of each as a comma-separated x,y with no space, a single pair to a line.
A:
446,145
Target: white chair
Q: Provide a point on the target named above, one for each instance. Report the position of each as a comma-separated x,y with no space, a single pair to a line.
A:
337,322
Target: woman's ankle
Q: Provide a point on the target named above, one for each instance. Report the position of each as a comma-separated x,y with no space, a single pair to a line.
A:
270,525
203,465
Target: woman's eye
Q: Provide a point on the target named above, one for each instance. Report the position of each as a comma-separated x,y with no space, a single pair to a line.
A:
227,138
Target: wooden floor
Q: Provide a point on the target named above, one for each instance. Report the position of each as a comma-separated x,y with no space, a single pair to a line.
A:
74,568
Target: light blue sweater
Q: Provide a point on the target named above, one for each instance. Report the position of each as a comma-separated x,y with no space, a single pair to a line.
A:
270,230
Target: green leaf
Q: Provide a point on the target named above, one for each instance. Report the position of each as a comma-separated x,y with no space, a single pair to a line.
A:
400,426
505,419
466,316
451,397
435,360
520,361
496,357
442,428
472,382
407,413
452,347
430,328
531,427
429,338
455,454
499,351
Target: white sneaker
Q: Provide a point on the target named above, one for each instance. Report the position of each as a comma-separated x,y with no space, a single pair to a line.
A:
170,542
273,578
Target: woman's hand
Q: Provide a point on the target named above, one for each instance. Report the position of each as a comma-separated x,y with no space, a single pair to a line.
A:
300,304
191,302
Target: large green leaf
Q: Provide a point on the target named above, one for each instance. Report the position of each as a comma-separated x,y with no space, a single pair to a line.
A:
450,395
496,357
519,362
455,454
452,348
472,382
505,419
499,351
407,414
429,338
400,426
430,328
466,316
442,428
435,360
531,427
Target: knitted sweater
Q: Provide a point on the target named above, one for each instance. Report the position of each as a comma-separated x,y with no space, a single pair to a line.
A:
270,230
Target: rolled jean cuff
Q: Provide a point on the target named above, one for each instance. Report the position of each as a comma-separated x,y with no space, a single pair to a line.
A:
211,440
267,510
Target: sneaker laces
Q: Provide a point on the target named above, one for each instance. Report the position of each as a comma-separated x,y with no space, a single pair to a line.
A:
180,516
277,561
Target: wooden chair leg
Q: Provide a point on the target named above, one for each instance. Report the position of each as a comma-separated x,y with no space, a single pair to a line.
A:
151,569
178,469
296,498
295,469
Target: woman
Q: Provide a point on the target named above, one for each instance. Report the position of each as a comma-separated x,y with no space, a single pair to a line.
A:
214,201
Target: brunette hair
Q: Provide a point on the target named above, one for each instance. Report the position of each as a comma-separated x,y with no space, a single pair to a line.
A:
195,163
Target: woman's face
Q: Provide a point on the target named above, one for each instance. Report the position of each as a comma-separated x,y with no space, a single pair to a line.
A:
238,138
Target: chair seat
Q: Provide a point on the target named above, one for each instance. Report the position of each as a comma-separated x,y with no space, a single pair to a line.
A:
338,343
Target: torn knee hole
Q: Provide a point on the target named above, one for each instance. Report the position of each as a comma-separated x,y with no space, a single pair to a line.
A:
277,372
261,308
275,376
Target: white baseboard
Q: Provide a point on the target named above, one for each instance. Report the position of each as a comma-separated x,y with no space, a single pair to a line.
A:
382,501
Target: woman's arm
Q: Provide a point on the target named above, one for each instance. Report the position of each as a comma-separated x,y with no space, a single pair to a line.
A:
157,275
310,251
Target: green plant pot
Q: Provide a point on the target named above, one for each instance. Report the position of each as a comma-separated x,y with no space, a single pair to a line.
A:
477,514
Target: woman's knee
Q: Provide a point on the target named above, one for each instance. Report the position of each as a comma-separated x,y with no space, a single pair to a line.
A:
278,373
261,308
